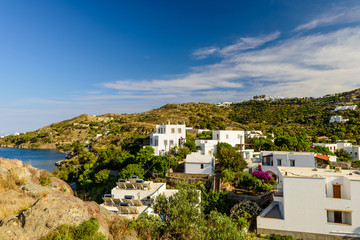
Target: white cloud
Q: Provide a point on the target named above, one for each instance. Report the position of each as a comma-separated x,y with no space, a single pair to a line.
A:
335,16
248,43
241,44
204,52
312,65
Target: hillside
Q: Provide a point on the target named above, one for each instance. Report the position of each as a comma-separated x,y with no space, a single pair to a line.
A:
34,204
308,116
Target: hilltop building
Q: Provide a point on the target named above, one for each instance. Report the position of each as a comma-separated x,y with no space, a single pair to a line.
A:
343,108
315,204
335,119
167,137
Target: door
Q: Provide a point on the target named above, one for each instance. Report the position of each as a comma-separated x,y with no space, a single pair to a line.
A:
337,191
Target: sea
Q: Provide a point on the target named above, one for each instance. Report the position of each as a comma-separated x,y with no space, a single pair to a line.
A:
39,158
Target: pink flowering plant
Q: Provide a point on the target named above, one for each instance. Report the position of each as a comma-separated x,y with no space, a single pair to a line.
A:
263,176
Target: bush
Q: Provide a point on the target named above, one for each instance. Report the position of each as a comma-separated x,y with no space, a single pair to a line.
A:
44,179
85,231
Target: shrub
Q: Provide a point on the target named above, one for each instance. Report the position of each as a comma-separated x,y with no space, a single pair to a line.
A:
85,231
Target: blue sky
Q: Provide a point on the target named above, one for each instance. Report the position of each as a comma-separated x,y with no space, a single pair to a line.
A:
59,59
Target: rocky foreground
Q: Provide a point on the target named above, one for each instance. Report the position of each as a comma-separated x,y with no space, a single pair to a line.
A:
33,204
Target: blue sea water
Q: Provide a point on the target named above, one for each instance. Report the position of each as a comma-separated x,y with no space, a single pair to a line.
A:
43,159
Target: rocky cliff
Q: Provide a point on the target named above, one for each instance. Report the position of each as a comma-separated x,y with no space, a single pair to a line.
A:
34,204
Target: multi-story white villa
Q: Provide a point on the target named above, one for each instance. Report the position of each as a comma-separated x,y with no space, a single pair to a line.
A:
316,204
234,138
167,137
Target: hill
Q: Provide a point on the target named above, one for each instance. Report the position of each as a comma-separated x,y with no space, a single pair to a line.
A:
308,116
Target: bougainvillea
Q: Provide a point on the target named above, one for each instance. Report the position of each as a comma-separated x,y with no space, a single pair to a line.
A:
263,176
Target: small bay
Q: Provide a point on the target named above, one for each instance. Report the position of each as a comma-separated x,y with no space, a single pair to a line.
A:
38,158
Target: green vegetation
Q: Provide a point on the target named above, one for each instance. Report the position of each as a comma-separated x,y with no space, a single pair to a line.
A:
88,230
183,218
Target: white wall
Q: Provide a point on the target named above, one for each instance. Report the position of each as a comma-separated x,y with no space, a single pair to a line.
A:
305,207
196,168
233,138
207,147
169,134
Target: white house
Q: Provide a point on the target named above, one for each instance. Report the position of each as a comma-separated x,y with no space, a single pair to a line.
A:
199,164
335,119
130,198
254,134
353,150
343,108
234,138
206,146
321,204
167,137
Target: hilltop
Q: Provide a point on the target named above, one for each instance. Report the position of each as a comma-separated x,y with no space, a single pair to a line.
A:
308,116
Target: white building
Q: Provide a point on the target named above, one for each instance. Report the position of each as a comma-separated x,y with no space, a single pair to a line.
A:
234,138
343,108
199,164
132,198
321,204
206,146
352,150
254,134
335,119
167,137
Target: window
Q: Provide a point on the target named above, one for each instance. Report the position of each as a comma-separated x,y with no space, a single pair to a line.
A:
227,136
179,130
339,216
202,166
156,142
171,142
173,130
239,136
267,161
165,142
278,162
292,163
217,136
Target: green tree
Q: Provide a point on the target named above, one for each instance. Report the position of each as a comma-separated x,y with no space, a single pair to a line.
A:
181,213
229,157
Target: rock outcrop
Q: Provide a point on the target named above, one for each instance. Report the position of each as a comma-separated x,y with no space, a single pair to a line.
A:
31,211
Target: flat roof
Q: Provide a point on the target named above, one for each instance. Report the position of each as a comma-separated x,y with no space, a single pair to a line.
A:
198,158
319,173
287,152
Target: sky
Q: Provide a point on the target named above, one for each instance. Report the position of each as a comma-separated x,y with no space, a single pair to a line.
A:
60,59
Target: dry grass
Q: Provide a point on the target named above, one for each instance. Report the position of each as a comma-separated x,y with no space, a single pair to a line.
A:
11,180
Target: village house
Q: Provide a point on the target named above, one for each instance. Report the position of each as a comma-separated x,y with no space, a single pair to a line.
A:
271,160
199,164
335,119
315,204
130,198
167,137
352,150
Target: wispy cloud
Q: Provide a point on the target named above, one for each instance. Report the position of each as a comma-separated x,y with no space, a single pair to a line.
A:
311,65
204,52
335,16
242,44
248,43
